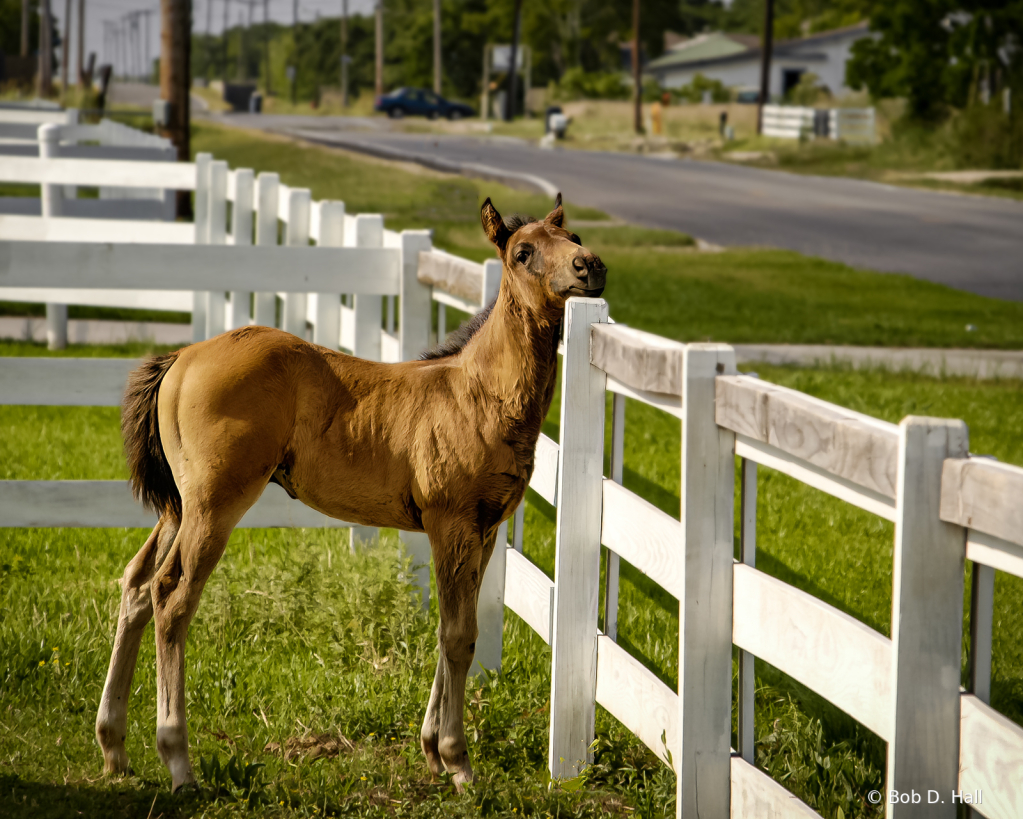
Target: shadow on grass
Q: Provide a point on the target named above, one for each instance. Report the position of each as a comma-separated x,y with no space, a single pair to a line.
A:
22,799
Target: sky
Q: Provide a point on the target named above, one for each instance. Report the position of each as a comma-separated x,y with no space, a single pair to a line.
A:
103,14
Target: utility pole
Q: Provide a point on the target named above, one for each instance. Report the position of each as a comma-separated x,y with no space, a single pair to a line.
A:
765,63
436,48
223,67
511,104
24,28
209,28
344,53
81,44
379,61
149,63
45,87
637,72
266,42
176,80
65,49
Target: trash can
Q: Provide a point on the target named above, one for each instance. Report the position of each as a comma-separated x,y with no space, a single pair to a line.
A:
256,103
551,109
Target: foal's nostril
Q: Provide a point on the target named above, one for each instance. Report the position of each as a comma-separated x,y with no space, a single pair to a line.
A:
580,264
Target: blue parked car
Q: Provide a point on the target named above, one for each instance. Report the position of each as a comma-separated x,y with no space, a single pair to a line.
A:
420,102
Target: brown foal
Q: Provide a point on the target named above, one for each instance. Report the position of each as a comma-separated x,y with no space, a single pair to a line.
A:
442,445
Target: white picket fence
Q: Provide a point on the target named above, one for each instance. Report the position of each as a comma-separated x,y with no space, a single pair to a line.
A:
798,122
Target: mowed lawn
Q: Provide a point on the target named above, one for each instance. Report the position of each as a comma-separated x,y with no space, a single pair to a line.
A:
309,668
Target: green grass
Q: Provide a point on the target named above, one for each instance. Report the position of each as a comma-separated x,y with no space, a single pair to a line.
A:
296,637
655,279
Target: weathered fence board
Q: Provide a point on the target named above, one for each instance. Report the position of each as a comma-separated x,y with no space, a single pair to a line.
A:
837,656
638,359
974,493
528,592
643,535
634,696
98,173
756,796
847,444
198,267
991,759
544,480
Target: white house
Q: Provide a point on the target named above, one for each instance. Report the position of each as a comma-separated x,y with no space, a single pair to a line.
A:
734,59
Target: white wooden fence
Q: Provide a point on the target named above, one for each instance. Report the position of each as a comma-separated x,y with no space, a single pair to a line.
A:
905,689
798,122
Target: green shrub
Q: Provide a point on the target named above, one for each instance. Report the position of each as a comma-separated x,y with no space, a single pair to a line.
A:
578,84
984,136
693,92
808,91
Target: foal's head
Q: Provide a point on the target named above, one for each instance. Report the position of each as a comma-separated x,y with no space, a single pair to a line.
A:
544,262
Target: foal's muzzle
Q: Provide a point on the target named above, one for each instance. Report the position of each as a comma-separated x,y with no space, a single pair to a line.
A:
591,275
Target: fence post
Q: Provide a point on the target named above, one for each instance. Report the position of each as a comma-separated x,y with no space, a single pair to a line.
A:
241,232
203,163
216,301
53,205
927,622
296,307
326,307
705,612
492,269
416,298
368,310
577,545
267,191
490,608
614,563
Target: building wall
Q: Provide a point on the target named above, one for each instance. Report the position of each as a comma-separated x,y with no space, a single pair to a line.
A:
746,73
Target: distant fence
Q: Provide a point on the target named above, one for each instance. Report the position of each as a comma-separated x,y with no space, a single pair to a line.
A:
799,122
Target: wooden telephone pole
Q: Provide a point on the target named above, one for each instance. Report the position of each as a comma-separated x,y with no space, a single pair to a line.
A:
637,72
176,81
379,61
765,63
45,87
436,48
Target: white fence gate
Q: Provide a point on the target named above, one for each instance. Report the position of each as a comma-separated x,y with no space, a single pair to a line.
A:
855,125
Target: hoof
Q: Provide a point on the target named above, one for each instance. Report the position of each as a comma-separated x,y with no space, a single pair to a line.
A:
187,788
462,778
432,754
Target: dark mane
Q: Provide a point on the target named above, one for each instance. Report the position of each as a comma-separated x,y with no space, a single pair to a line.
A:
457,340
517,220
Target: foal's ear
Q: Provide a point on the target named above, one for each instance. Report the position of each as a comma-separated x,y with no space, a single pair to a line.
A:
556,218
493,225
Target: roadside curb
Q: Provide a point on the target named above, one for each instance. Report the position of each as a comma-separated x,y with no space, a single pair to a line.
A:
983,364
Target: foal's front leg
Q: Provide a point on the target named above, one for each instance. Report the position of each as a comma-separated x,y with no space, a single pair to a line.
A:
460,557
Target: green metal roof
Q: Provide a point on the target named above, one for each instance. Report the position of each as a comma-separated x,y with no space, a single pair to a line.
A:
705,47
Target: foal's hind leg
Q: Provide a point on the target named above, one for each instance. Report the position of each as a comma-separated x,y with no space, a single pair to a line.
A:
177,586
136,612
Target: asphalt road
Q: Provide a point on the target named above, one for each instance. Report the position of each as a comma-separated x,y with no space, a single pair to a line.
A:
968,242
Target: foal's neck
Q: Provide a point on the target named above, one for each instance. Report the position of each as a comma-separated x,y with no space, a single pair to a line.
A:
513,359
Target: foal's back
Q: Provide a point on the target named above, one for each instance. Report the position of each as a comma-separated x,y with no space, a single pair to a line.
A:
362,441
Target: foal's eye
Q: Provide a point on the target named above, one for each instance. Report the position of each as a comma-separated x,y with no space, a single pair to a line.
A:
522,256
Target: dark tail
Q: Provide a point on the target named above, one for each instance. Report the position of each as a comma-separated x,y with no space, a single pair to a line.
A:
152,482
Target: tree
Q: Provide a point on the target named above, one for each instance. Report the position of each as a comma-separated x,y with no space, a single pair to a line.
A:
940,53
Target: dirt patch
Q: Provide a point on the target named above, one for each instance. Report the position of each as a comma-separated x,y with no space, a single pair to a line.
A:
312,746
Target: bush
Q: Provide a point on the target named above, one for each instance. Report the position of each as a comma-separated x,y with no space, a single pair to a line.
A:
577,84
695,90
808,91
984,136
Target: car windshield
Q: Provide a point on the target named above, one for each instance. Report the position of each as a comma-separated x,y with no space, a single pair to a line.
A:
401,92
